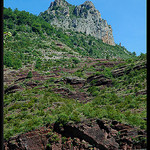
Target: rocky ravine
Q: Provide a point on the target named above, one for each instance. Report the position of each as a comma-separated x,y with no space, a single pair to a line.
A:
89,134
84,18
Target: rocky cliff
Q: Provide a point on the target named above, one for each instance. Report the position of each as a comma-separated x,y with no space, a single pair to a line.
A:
84,18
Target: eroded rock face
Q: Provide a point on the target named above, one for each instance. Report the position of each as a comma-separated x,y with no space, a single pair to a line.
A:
91,133
127,69
34,140
83,18
98,80
74,81
13,89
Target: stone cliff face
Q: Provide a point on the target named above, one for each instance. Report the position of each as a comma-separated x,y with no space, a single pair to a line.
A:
84,18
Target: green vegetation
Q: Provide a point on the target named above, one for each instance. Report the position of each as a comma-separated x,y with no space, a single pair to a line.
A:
29,74
31,33
36,107
35,45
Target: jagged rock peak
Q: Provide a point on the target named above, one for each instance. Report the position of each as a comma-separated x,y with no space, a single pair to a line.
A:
83,18
61,3
86,9
89,4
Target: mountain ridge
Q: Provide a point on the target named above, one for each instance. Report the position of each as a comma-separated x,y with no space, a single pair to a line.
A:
84,18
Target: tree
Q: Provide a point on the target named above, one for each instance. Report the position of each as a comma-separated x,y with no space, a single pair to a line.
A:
7,13
134,53
142,56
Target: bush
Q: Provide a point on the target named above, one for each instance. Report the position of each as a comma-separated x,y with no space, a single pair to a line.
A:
48,146
52,79
62,119
107,72
93,90
38,64
75,116
36,27
75,60
29,74
17,64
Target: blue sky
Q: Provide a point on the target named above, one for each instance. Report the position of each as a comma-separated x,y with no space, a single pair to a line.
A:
127,18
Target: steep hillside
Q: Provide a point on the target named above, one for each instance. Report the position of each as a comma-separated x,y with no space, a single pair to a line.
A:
33,38
59,82
66,97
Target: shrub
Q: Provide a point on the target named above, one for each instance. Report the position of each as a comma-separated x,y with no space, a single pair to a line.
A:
75,116
63,139
79,73
29,75
36,27
95,93
62,119
17,64
48,146
75,60
93,90
38,64
107,72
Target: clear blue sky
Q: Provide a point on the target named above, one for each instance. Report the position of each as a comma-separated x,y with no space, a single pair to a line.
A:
127,18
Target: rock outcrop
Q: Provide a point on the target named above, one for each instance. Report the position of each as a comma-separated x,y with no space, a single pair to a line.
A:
84,18
98,80
96,134
126,69
74,81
